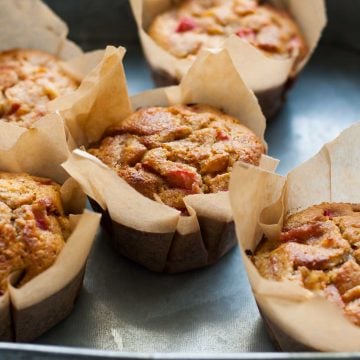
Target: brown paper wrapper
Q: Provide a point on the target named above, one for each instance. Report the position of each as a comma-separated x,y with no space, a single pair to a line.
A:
30,24
269,78
6,333
298,319
146,231
29,311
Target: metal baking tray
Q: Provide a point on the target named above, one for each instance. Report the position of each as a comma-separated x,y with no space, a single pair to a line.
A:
127,312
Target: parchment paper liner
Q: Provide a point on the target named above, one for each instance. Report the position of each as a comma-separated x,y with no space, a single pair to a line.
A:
146,231
27,312
298,319
269,78
30,24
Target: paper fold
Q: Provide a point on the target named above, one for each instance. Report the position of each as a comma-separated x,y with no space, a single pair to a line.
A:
27,312
295,315
259,71
30,24
140,225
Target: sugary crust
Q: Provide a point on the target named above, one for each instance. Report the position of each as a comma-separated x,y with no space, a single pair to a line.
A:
195,24
319,248
33,227
168,153
29,79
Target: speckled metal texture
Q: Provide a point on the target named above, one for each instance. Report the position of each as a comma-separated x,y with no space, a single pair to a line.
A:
127,312
125,307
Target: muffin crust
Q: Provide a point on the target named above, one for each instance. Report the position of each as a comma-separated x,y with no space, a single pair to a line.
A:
195,24
33,227
166,153
319,248
29,79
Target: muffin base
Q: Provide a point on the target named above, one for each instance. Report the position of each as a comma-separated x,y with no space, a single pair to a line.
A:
27,324
170,253
6,331
271,101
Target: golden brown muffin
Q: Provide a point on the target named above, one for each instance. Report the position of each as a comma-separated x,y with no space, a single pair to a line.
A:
195,24
29,79
319,248
33,227
166,153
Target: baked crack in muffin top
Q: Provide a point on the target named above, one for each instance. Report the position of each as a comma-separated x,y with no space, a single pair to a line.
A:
166,153
29,79
319,248
195,24
33,227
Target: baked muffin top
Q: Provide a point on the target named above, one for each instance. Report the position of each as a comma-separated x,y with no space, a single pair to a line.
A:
319,248
195,24
33,227
166,153
29,79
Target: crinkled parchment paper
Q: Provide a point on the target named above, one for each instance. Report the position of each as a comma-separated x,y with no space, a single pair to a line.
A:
30,24
146,231
27,312
297,317
259,71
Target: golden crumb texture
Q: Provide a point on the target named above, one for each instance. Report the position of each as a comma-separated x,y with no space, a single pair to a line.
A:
29,79
319,248
195,24
33,227
166,153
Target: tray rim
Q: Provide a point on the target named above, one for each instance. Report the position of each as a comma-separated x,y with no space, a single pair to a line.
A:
14,351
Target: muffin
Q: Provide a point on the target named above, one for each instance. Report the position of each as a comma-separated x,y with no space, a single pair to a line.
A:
300,246
157,164
29,79
195,24
319,249
45,233
33,227
167,153
269,41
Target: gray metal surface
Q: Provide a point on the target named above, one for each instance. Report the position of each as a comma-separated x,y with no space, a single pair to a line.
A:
125,308
324,101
